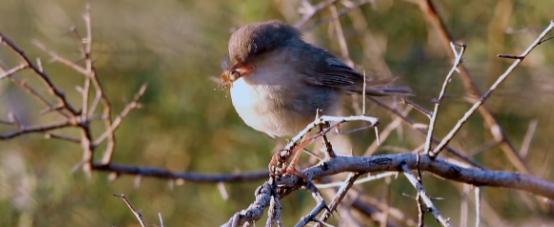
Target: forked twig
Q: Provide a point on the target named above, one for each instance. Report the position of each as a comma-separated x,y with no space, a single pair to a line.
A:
447,79
488,93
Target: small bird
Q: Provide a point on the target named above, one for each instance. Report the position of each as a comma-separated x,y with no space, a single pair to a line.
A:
279,83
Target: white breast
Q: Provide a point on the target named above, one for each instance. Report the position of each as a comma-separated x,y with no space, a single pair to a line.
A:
255,104
273,99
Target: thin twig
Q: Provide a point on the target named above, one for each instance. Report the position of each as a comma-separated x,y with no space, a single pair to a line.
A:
447,79
369,178
340,194
59,58
300,139
413,124
437,23
189,176
310,11
35,94
340,36
312,215
488,93
424,197
420,210
45,78
13,70
36,129
135,212
394,124
464,205
477,207
50,135
117,121
160,218
524,150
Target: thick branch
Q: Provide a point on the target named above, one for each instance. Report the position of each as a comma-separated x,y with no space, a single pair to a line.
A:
440,167
395,162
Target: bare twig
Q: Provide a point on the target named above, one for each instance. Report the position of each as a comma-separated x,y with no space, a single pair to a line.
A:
447,79
160,218
477,207
437,23
424,197
135,212
369,178
13,70
420,210
300,139
312,215
35,94
50,135
162,173
394,124
524,150
45,78
340,36
339,196
36,129
117,121
488,93
413,124
311,10
59,58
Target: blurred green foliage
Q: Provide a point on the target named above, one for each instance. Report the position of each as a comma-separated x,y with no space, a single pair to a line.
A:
188,123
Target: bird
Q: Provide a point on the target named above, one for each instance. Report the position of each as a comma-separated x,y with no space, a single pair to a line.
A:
279,83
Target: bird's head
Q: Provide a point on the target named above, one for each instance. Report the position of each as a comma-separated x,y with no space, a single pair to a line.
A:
252,40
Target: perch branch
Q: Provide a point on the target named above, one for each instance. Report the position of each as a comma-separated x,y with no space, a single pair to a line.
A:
395,162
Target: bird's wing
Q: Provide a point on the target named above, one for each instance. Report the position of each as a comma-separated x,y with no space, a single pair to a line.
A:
323,69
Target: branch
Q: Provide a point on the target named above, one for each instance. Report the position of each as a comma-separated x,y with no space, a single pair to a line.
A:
162,173
36,129
45,78
137,214
437,23
421,130
447,79
489,92
395,162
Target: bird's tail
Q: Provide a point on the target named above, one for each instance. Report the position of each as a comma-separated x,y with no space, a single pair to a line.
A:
384,87
388,90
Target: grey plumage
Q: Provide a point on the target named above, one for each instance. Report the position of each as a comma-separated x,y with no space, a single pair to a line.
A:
289,80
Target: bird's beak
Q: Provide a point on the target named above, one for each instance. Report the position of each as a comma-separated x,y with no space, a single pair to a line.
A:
228,76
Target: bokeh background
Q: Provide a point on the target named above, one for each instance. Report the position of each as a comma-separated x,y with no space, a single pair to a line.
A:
188,123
